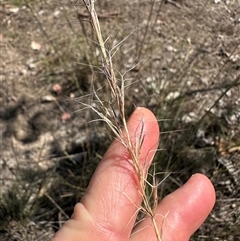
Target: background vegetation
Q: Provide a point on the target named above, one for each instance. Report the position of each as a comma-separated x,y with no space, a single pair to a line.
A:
180,58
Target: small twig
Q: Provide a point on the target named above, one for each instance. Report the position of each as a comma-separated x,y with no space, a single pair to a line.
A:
173,3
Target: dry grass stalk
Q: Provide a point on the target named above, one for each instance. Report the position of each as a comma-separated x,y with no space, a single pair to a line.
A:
109,116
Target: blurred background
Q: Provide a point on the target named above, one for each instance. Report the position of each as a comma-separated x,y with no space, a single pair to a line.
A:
179,58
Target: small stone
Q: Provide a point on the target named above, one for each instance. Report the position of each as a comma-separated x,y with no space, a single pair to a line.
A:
30,63
41,12
57,89
31,66
13,10
65,116
47,98
35,45
233,205
56,14
190,117
172,95
72,95
171,49
23,72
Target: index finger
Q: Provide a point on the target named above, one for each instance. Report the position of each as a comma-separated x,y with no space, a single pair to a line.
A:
113,198
109,208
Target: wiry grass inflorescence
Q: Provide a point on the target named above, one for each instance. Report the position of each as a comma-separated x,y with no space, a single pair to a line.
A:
119,124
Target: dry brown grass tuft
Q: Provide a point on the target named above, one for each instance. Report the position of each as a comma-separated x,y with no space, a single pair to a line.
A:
119,124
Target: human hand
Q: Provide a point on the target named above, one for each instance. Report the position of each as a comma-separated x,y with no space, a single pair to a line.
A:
109,208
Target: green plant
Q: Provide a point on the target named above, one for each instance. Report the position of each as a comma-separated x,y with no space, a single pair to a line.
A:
14,206
20,3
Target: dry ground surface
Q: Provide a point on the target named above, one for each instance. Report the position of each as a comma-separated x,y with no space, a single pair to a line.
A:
180,58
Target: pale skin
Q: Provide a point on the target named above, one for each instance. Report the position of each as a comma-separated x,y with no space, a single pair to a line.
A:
108,210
